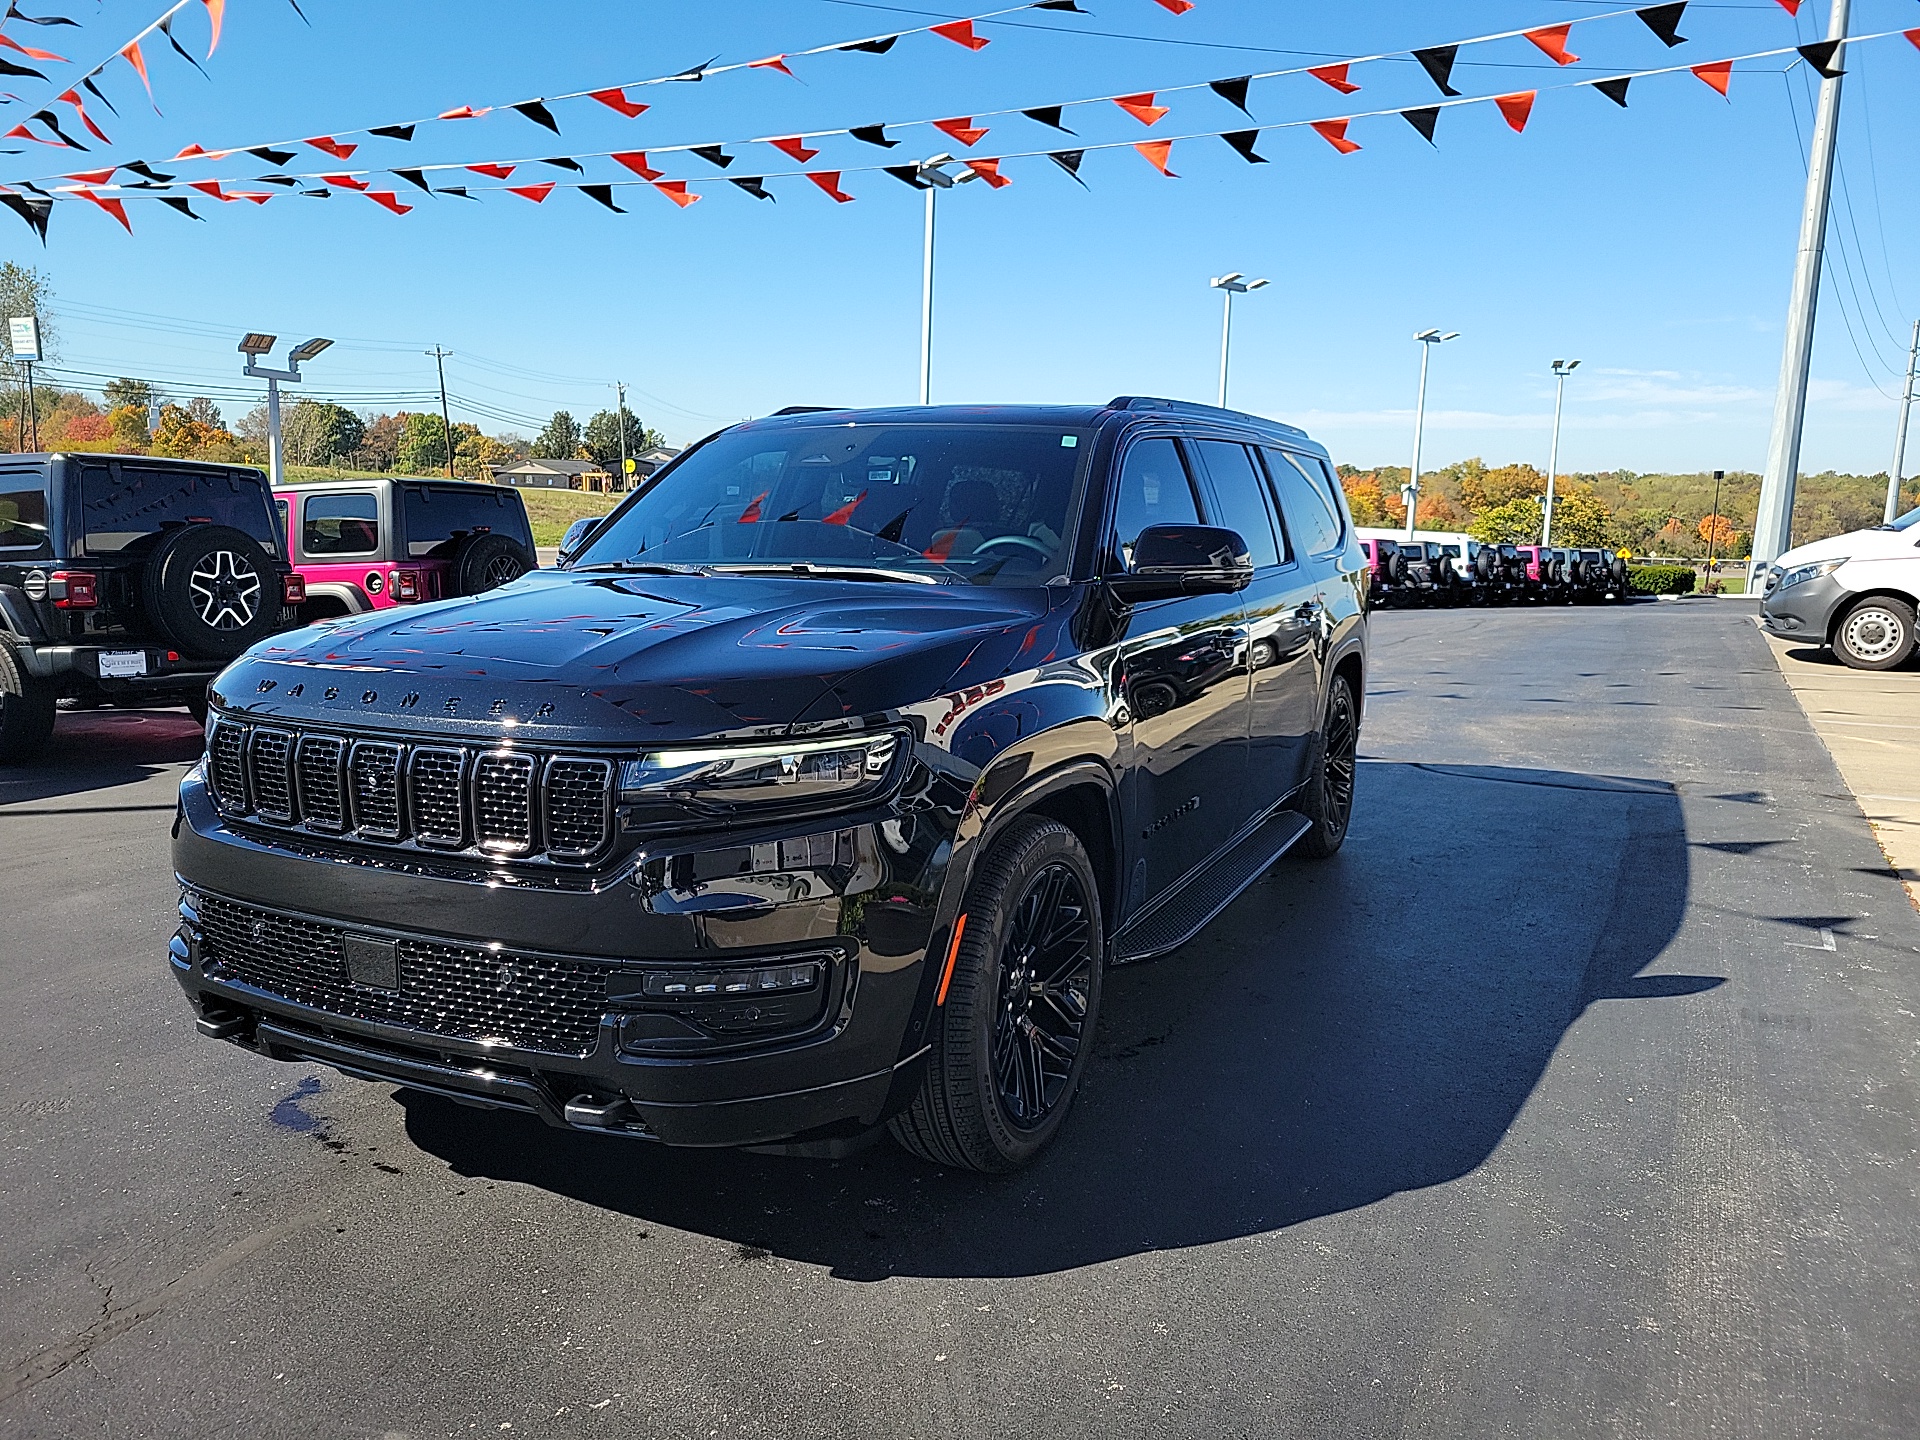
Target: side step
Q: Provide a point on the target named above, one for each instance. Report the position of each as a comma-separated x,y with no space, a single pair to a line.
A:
1186,912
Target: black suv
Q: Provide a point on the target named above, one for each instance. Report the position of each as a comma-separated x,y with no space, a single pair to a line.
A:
129,579
814,792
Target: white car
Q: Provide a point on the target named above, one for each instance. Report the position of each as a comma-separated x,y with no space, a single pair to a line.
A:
1856,592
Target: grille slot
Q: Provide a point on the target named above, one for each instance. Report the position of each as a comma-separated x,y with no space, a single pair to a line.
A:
579,805
503,802
319,768
272,774
460,991
375,784
436,794
227,766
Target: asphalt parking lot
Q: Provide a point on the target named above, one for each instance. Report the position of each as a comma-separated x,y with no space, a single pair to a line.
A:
1576,1097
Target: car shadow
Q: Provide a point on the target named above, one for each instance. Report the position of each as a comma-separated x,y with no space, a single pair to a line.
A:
95,750
1346,1031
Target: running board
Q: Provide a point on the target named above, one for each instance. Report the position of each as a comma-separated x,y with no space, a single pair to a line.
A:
1188,910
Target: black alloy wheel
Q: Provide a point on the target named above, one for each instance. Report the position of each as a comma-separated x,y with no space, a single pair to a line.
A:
1328,799
1013,1021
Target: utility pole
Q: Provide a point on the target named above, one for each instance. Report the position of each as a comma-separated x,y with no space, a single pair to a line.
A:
1773,529
620,390
1899,435
1561,369
440,363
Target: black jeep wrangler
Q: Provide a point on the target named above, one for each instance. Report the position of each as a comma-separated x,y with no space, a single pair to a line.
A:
129,579
815,791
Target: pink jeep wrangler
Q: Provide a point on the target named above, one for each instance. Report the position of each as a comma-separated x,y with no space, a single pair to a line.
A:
367,544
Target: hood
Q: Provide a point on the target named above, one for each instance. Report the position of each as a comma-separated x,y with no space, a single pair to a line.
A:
1854,545
620,657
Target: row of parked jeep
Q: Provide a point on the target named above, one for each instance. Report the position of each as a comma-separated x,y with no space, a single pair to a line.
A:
1451,569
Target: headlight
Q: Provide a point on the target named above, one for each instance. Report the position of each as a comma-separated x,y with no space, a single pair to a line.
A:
799,772
1802,573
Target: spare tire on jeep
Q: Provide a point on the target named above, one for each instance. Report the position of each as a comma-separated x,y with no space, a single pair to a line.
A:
486,561
211,591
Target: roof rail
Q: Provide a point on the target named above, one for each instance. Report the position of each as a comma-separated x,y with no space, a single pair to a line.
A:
1190,407
808,409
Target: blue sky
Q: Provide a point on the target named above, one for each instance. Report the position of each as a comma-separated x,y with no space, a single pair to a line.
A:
1654,243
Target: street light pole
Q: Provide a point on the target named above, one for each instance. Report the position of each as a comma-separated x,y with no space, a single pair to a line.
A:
440,358
1713,521
253,345
1229,285
1773,527
1410,492
1561,369
1899,435
926,303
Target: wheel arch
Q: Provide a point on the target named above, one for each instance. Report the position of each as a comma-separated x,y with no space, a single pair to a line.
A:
1847,603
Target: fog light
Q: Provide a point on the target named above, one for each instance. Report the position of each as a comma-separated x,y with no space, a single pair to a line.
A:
779,980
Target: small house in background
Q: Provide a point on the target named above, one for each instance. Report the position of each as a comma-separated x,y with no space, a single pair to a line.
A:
648,461
553,475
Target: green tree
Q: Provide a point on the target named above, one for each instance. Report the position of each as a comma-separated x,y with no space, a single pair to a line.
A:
602,439
1579,519
128,392
318,432
127,428
25,291
1515,523
560,440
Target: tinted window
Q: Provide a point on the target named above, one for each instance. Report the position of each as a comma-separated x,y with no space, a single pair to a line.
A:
439,517
1239,503
1329,486
340,525
23,519
1154,490
984,503
1312,524
127,505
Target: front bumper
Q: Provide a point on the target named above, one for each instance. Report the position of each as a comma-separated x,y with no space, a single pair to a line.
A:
1804,611
531,994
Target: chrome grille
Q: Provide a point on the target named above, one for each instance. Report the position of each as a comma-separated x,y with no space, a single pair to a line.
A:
579,804
502,802
272,774
467,992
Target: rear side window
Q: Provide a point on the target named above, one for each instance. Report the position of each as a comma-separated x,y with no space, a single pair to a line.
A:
23,521
438,518
125,507
1312,522
1154,490
1240,505
340,525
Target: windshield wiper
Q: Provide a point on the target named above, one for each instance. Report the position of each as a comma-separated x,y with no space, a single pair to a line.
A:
643,567
808,570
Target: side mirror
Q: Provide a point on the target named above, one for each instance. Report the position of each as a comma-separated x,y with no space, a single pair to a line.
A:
1174,560
579,533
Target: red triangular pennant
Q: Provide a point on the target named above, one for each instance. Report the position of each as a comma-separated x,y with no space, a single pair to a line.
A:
1334,132
961,33
1176,7
30,52
962,129
191,152
1718,73
796,147
1334,75
1516,108
676,191
216,13
346,182
389,200
327,145
1142,108
258,197
535,193
772,62
139,63
636,161
93,177
1156,153
829,181
463,112
617,100
208,187
493,171
109,204
1792,7
989,171
1914,36
72,98
1553,40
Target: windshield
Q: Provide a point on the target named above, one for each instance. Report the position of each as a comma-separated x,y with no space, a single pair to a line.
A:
1906,521
987,504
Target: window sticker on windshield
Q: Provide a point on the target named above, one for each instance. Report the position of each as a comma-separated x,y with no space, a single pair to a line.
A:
1069,442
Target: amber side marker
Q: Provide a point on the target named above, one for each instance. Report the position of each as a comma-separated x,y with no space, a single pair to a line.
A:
953,954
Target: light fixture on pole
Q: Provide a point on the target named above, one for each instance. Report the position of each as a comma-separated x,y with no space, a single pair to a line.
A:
1561,369
254,345
1229,285
931,176
1410,492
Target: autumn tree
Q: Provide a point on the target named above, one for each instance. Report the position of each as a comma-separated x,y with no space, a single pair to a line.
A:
1485,489
1580,520
1517,522
1365,499
127,428
1717,532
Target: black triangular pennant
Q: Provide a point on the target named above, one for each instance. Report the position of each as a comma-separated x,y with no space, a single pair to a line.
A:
538,113
713,155
14,13
52,122
1423,119
1068,5
1047,115
1244,141
271,155
603,194
562,162
98,94
1664,21
459,190
873,135
166,29
694,72
907,175
873,47
175,202
31,208
284,180
1821,55
1438,63
392,132
1614,90
1069,161
140,167
1233,91
754,185
320,194
414,177
7,67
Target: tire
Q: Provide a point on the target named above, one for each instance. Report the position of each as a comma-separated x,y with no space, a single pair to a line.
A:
989,1101
211,591
1876,634
26,710
486,562
1328,799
